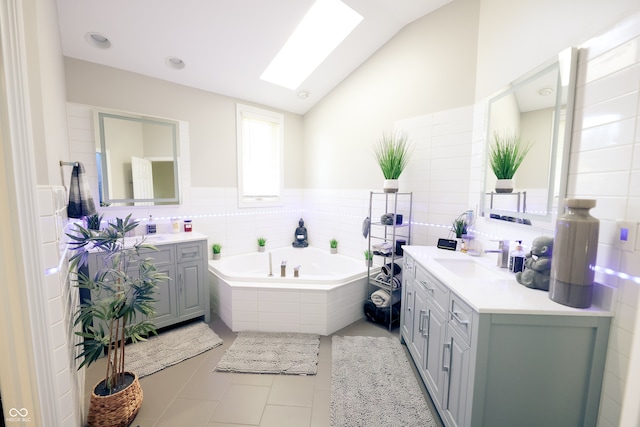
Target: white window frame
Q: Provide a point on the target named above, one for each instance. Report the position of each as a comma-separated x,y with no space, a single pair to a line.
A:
247,111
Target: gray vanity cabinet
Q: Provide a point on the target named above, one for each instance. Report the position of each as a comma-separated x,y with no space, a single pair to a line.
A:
508,367
184,295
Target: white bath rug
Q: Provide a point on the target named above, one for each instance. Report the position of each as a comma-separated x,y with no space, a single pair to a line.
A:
372,384
272,353
169,348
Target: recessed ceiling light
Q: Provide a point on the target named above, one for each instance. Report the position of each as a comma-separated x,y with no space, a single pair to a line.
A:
175,62
97,40
322,29
545,91
303,94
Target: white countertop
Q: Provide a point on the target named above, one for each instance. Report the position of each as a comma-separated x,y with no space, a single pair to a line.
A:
497,291
160,239
167,238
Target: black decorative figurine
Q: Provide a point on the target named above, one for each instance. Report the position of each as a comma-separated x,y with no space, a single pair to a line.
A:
300,236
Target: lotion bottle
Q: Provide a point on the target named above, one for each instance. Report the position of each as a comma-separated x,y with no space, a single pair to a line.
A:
151,226
516,258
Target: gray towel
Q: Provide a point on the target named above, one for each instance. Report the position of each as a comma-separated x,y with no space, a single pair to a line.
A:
80,200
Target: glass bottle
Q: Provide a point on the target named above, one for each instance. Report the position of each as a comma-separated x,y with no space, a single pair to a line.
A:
575,249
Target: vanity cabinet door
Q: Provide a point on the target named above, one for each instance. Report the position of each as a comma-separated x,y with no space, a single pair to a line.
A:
408,288
191,288
406,316
418,341
166,305
191,279
456,381
432,367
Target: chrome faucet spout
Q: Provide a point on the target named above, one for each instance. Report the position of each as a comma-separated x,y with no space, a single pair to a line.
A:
503,251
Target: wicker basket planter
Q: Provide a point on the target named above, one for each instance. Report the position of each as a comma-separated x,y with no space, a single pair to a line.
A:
118,409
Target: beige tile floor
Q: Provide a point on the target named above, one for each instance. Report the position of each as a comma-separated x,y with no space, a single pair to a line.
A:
192,394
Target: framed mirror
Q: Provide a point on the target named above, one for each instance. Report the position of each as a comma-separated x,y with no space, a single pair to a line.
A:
137,160
538,109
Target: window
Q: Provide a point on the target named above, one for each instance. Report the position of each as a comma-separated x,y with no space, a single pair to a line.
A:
260,156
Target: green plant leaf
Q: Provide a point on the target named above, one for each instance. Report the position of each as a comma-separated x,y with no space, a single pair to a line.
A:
392,153
506,154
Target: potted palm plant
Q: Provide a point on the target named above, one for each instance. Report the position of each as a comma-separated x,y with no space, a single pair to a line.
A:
392,153
505,157
121,308
261,244
333,246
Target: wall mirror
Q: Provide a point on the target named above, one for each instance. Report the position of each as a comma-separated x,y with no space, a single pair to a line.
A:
538,107
137,160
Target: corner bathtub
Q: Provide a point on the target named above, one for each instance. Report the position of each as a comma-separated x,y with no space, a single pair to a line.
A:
327,296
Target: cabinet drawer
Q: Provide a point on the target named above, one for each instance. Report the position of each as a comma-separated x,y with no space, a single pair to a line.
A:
436,291
461,318
164,255
190,251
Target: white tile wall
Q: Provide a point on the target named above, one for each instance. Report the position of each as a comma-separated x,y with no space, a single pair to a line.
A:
606,142
62,302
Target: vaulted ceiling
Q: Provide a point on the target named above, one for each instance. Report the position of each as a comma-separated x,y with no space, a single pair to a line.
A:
225,44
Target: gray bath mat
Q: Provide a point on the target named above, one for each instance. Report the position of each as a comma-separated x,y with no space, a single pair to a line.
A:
169,348
372,384
272,353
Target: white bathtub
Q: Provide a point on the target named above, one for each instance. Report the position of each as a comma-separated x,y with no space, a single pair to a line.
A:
327,296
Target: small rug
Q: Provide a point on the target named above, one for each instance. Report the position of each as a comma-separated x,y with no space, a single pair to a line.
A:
272,353
169,348
372,384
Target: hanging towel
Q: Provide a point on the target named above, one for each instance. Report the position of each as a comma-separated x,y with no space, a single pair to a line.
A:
80,200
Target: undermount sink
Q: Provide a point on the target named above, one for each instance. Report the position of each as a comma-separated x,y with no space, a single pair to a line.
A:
468,268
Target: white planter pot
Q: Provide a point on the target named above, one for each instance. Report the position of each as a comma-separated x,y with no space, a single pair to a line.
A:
216,256
390,186
260,248
504,186
333,250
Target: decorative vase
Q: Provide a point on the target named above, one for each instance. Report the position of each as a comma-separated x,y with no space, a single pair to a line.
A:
574,255
118,409
504,186
390,186
216,256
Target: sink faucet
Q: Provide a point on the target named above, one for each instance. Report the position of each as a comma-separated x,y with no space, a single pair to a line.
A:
503,251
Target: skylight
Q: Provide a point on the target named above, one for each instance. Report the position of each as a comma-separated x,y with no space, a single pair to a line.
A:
323,28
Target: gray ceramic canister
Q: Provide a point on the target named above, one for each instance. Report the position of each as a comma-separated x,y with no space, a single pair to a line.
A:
574,255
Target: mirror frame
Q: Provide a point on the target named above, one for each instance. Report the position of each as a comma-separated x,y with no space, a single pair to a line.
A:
105,197
566,63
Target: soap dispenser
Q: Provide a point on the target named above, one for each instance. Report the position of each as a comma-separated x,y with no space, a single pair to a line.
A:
516,258
151,226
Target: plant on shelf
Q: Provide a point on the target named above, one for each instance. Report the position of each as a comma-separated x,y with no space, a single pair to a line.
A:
505,157
392,153
333,245
216,248
121,309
